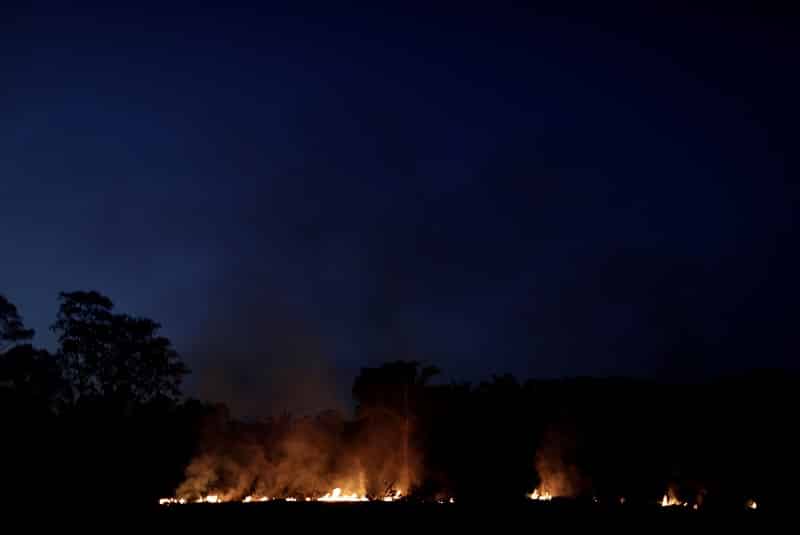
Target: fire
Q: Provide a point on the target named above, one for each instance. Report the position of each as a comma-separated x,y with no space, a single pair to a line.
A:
338,496
212,498
671,500
396,495
542,496
251,499
171,501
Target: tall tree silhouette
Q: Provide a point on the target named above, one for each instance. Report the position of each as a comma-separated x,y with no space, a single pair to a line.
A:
114,356
388,397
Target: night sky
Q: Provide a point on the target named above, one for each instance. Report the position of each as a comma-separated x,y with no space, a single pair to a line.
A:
295,194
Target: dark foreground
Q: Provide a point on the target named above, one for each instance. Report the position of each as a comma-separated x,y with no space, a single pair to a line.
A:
503,518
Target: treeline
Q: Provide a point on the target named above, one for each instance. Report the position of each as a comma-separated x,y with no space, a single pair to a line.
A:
102,419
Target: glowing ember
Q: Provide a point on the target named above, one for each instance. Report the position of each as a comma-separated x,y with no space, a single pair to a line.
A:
542,496
247,499
751,504
338,496
291,499
171,501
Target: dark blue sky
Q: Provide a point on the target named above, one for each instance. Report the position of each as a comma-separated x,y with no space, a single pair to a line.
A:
296,194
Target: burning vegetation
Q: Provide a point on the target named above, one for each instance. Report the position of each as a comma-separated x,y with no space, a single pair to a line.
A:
670,499
323,459
387,453
541,495
123,427
558,476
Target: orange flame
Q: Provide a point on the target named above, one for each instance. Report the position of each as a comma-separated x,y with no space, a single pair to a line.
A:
335,496
396,495
541,495
338,496
670,499
171,501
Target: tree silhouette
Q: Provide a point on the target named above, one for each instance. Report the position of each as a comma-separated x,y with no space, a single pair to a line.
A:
388,401
32,377
391,386
12,329
28,375
113,356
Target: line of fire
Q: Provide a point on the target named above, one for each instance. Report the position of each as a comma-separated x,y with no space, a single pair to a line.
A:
392,450
92,419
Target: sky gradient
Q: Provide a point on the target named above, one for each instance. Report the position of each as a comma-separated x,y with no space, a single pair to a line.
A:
296,194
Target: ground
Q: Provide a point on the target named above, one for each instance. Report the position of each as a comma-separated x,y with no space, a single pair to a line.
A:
444,518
